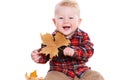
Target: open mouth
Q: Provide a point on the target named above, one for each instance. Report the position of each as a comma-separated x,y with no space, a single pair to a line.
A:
66,27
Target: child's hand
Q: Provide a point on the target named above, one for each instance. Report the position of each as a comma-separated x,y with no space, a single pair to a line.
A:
35,55
68,51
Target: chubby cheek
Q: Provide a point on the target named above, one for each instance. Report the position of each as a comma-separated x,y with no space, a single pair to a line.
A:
59,25
75,24
59,28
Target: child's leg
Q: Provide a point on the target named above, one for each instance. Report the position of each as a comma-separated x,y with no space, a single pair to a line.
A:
55,75
91,75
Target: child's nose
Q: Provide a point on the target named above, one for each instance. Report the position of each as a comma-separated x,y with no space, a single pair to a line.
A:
66,20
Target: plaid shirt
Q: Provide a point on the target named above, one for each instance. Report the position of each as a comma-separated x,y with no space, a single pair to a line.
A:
75,65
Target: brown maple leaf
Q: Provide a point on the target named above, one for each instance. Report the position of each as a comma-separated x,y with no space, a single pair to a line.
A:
52,50
47,39
60,40
53,43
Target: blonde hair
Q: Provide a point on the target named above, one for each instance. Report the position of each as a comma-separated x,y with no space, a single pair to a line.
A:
69,3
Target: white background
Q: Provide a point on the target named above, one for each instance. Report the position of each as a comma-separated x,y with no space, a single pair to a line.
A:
22,21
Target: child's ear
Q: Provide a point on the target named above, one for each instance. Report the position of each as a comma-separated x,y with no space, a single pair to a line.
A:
79,21
54,20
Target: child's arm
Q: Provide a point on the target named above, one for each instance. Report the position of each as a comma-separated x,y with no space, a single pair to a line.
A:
83,51
39,57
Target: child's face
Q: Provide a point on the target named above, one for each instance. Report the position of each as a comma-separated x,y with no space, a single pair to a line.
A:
66,20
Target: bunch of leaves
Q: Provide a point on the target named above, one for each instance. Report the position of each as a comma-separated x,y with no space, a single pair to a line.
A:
53,43
33,76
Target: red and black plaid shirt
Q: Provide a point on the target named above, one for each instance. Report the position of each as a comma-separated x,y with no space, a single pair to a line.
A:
75,65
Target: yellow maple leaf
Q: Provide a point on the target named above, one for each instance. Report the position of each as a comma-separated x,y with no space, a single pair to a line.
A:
33,74
53,43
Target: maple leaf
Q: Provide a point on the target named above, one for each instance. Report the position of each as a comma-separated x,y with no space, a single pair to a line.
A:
47,39
60,40
33,74
53,43
52,50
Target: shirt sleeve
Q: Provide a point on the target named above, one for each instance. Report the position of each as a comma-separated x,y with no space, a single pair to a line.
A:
85,48
39,57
